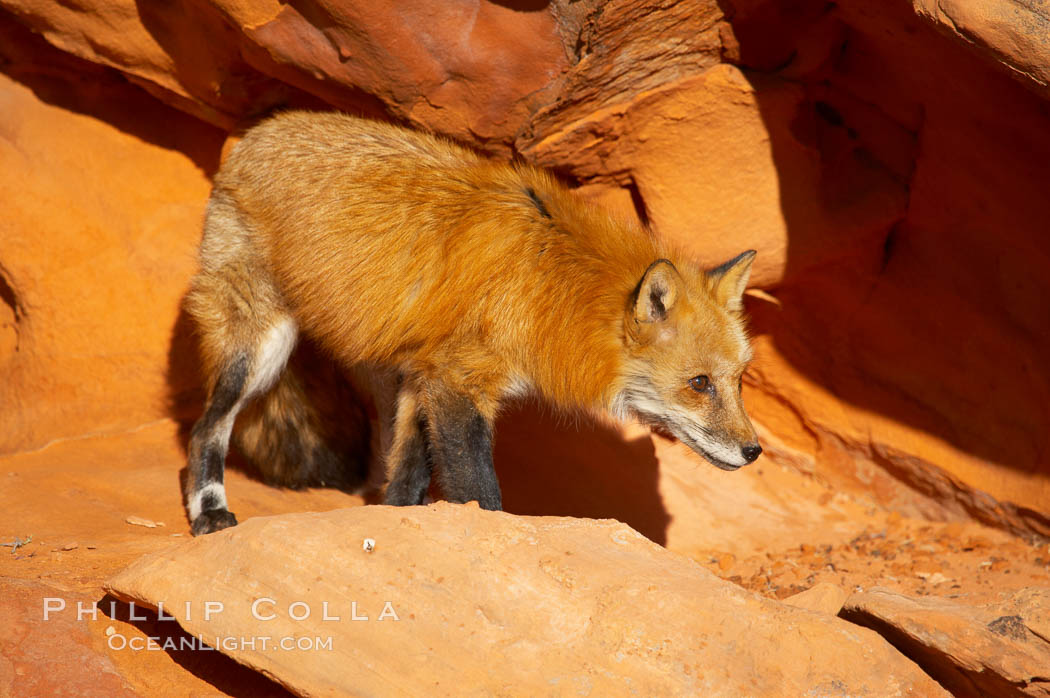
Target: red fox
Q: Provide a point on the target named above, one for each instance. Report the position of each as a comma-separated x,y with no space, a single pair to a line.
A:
451,282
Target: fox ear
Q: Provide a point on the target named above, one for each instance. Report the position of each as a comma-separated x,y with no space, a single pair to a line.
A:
658,291
730,280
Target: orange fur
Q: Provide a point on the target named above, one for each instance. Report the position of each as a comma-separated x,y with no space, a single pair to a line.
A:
400,251
397,247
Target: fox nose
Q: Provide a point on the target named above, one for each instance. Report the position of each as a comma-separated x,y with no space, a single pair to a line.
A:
751,452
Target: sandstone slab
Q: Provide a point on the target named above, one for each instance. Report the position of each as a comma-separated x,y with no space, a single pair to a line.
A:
469,602
53,657
1002,649
822,598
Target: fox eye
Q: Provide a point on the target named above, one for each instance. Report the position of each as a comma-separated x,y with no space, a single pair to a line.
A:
700,384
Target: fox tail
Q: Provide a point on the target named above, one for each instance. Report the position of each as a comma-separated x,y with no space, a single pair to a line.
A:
311,429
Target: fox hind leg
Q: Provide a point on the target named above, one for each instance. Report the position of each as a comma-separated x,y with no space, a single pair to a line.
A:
206,500
408,460
243,375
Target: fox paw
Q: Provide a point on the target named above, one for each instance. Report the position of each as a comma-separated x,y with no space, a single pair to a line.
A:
211,521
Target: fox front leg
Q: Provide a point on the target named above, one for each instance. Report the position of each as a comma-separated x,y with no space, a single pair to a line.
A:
460,445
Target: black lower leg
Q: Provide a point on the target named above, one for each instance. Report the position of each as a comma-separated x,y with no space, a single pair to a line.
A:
208,501
209,442
461,446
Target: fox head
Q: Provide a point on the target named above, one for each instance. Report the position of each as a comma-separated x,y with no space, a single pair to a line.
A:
686,350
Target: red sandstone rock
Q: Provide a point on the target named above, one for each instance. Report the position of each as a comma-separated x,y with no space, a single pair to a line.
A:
97,248
56,657
768,201
468,69
490,603
908,321
181,52
83,490
1010,32
618,60
1002,649
890,174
